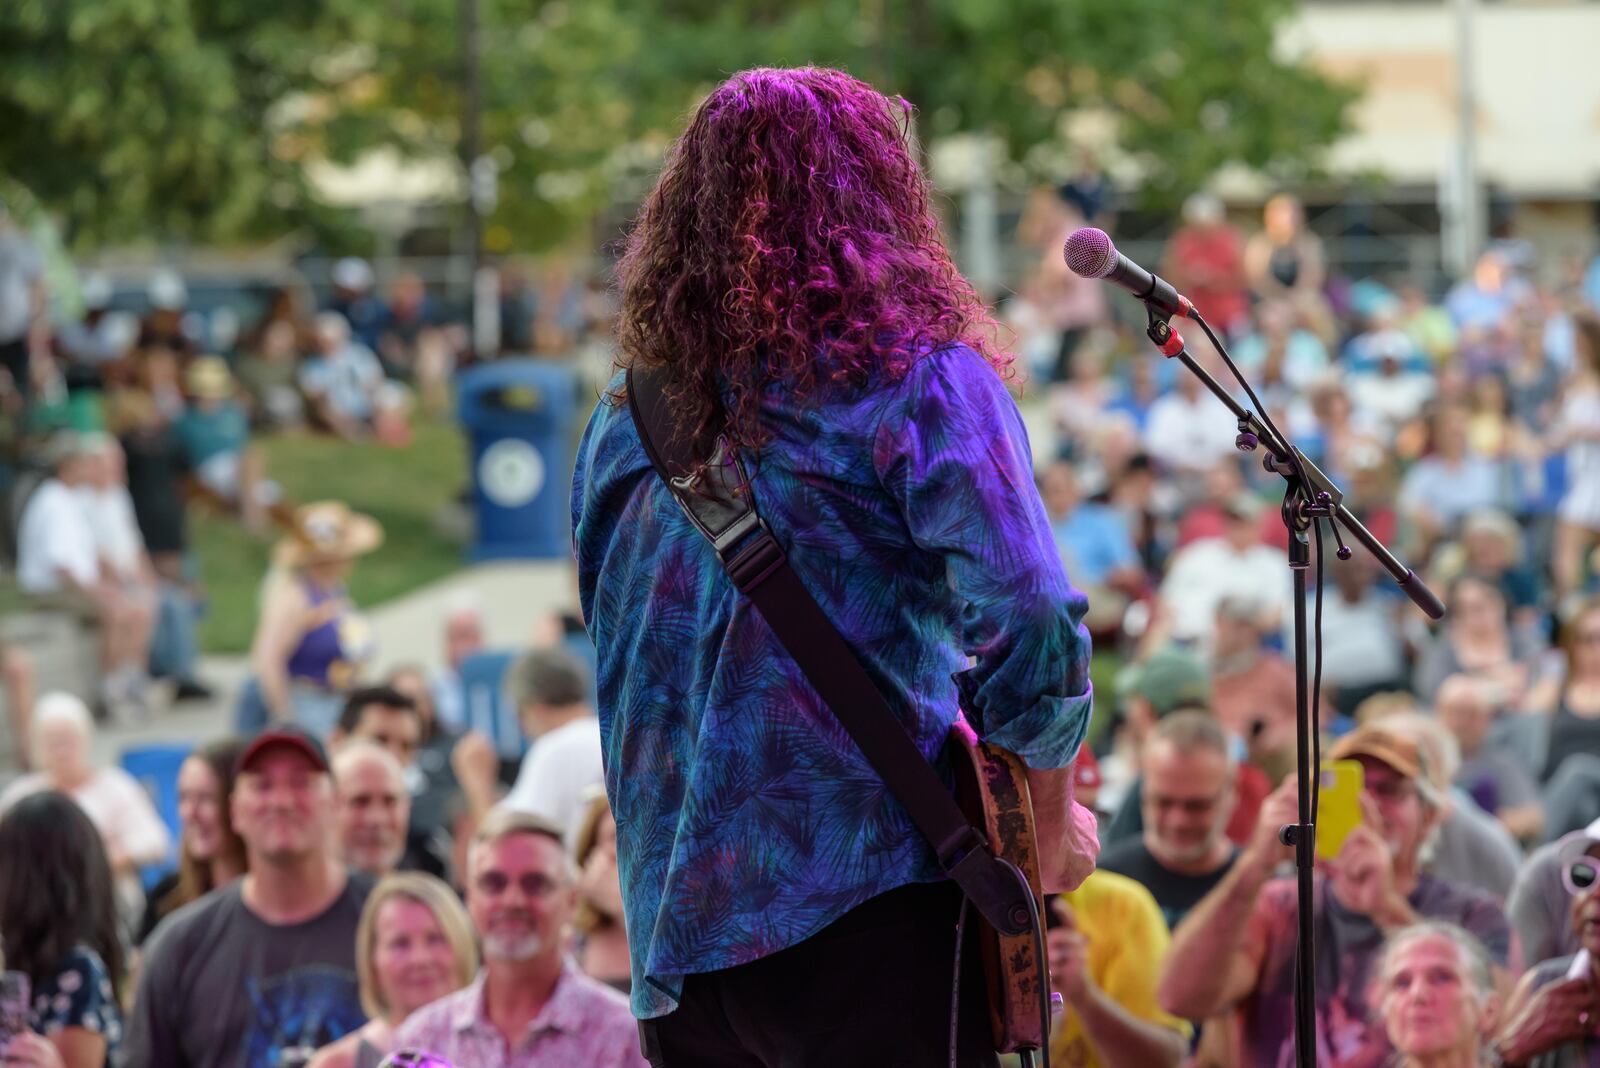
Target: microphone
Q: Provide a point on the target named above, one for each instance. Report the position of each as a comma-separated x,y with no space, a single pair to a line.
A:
1090,254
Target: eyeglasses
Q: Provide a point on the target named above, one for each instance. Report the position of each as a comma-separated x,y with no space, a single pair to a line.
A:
1189,806
532,884
413,1058
1580,875
1390,790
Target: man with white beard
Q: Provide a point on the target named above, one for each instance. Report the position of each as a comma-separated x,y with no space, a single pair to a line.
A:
530,1007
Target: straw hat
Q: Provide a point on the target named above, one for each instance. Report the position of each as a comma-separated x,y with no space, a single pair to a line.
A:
327,532
208,378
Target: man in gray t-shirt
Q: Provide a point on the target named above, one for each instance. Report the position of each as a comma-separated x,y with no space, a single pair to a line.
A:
263,969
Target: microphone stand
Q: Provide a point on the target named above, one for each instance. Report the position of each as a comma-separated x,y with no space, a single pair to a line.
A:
1309,496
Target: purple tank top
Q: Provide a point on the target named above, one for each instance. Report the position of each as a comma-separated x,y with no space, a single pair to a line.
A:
320,648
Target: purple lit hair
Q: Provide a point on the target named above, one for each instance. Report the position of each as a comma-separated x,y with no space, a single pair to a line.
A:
790,239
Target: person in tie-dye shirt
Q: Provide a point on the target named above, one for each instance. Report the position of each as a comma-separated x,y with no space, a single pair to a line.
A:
788,274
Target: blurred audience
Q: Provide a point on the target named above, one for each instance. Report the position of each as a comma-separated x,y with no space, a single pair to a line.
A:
1205,261
346,390
1188,798
210,853
1550,1017
1435,990
1285,260
521,894
387,718
551,691
1104,952
374,808
310,644
414,945
61,747
214,431
59,564
601,948
1235,949
22,309
229,979
58,926
463,636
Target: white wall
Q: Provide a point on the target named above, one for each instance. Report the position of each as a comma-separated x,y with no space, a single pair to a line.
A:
1538,88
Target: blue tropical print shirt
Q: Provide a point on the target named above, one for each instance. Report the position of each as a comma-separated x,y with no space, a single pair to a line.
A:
747,820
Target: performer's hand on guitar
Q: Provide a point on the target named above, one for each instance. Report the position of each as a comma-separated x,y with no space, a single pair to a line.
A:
1068,953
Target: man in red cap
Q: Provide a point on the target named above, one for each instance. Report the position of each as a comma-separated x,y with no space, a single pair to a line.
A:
263,971
1236,948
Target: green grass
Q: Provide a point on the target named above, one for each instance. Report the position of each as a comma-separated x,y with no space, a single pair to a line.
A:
404,489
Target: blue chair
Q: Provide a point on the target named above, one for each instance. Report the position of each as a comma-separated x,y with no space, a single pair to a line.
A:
156,768
483,687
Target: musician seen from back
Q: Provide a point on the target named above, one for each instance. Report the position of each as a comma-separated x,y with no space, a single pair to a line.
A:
788,275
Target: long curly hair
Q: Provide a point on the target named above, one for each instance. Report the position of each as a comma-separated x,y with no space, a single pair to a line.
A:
789,239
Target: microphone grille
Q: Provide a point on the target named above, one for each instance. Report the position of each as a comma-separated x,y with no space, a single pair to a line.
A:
1090,253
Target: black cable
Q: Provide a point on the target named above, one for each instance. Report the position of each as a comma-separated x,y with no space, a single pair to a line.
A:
1316,685
1260,409
1044,981
955,979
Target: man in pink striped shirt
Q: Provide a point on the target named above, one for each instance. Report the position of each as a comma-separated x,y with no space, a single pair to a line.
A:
530,1007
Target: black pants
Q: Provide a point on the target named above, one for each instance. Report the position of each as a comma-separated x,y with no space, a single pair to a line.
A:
14,358
871,989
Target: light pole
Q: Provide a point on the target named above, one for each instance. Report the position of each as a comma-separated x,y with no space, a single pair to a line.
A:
1467,237
481,187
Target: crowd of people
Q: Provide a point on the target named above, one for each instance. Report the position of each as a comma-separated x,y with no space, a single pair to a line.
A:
343,890
116,425
1465,433
368,865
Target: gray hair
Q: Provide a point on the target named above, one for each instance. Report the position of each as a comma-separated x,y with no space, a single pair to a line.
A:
359,751
1476,967
503,822
550,676
1191,729
58,706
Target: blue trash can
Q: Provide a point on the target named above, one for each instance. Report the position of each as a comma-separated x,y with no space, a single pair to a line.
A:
519,416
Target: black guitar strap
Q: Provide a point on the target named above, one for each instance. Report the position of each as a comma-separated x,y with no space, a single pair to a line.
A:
721,505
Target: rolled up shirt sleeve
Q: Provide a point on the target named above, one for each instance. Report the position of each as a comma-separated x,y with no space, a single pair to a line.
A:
954,455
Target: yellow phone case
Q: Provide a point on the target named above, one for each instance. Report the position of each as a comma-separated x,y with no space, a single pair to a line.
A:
1339,811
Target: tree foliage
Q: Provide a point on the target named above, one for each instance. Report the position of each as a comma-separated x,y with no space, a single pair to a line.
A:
152,118
196,117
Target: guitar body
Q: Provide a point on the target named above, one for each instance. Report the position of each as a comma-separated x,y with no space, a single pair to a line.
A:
992,790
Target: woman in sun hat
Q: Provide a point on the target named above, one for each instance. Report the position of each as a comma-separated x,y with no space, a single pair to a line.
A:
310,642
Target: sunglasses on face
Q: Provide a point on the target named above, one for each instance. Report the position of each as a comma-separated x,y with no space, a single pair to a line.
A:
1580,875
411,1058
532,884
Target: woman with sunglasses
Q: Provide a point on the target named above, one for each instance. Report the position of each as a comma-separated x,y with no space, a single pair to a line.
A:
1552,1019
